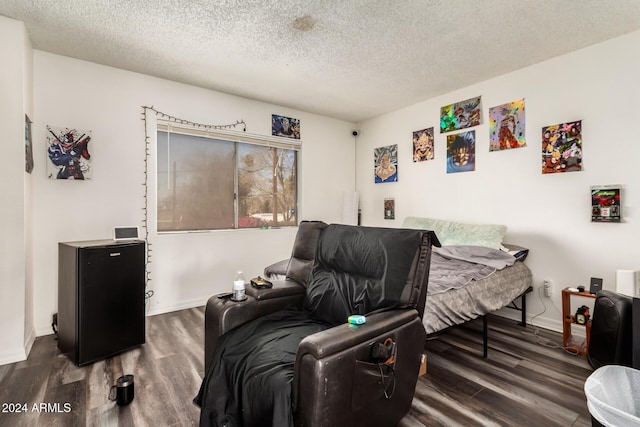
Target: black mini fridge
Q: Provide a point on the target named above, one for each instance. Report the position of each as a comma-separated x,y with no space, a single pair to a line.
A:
101,296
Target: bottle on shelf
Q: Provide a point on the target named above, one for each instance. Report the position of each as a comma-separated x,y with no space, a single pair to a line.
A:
238,287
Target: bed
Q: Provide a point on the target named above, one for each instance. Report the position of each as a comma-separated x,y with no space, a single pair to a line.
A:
489,289
479,297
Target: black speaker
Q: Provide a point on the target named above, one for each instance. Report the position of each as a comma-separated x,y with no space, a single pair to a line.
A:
595,285
611,330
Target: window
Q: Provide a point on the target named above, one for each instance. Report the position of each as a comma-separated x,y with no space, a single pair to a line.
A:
210,182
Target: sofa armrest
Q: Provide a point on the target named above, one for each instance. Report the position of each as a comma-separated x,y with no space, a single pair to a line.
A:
278,269
337,382
281,289
220,316
223,314
345,336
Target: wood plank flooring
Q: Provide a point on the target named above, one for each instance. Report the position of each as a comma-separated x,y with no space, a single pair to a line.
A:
527,380
521,383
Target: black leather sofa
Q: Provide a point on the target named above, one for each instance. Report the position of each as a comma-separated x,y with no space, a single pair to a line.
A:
345,374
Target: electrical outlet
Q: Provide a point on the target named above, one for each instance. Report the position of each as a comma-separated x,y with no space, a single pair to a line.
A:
548,288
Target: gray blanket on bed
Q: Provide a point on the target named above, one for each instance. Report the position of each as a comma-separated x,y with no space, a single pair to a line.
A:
452,267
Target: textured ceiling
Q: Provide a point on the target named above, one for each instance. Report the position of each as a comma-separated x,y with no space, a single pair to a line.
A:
351,59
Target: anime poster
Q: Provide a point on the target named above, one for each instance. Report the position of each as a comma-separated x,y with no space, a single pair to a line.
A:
562,147
423,145
389,209
461,152
506,126
68,151
460,115
285,126
605,204
28,146
386,164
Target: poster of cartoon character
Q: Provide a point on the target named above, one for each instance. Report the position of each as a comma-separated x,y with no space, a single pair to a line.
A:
285,126
506,126
461,115
386,164
68,152
562,147
461,152
423,145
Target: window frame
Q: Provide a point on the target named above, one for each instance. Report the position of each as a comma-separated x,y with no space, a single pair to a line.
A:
235,137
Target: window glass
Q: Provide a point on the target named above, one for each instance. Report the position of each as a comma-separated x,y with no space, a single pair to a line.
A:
195,183
198,178
266,186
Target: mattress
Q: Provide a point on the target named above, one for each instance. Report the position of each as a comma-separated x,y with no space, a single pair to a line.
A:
476,298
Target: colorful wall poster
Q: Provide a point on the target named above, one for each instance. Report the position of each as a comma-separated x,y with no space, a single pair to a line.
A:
461,152
506,126
285,126
461,115
389,208
562,147
68,151
386,164
423,145
28,145
605,203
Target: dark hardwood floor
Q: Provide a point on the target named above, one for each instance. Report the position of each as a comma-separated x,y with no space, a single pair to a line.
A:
526,380
521,383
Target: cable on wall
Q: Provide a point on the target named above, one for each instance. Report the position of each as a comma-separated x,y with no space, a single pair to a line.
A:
147,145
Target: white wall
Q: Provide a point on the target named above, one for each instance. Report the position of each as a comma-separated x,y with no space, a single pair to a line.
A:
27,91
186,269
16,332
550,213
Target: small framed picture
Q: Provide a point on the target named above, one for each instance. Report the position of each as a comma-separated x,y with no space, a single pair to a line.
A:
605,203
389,209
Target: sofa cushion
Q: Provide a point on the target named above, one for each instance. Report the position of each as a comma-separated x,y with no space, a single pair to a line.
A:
304,251
359,270
461,234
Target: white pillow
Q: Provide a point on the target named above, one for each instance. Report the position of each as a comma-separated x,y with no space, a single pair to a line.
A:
457,233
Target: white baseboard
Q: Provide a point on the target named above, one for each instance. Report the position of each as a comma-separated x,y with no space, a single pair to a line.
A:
31,338
148,312
12,356
48,330
175,307
19,354
44,331
545,323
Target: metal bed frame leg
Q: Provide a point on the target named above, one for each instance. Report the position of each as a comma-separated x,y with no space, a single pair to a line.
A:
523,323
485,337
523,308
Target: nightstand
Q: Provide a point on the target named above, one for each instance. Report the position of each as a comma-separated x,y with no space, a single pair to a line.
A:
568,322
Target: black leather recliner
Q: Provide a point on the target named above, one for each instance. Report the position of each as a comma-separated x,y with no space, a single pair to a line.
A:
345,374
